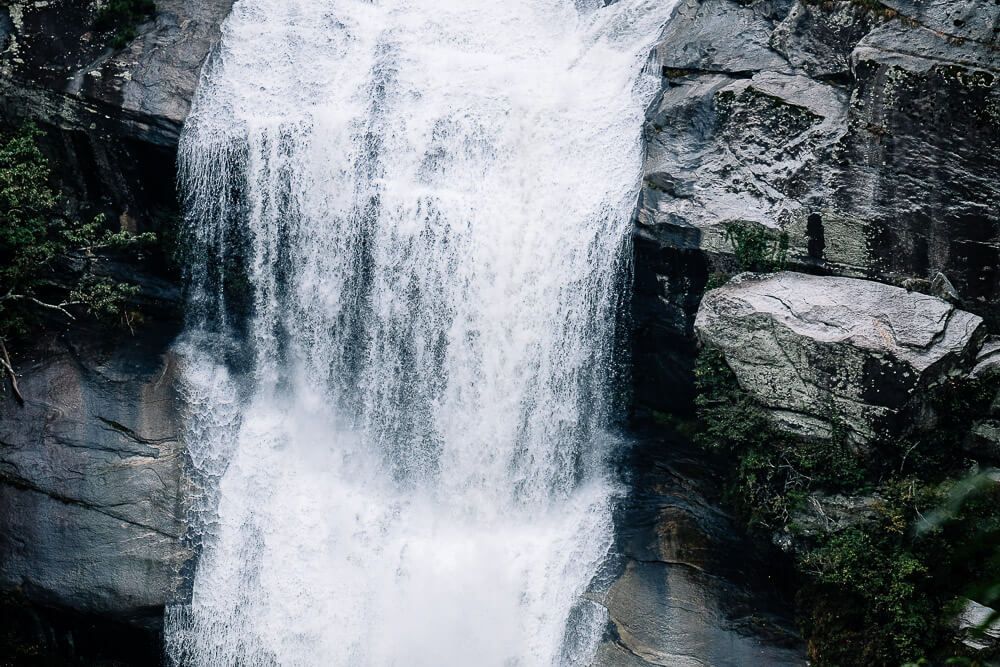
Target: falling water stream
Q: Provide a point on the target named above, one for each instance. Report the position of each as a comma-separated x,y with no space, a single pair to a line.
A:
408,223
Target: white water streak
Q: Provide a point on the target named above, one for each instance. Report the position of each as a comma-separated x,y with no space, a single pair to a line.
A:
430,200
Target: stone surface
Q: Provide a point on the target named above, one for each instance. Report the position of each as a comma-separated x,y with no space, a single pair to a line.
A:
92,478
691,591
812,349
112,118
977,627
870,138
53,52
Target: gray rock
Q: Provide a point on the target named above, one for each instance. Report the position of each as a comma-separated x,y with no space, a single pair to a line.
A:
819,40
92,479
112,118
988,360
691,41
873,145
66,75
977,628
942,288
822,514
680,597
813,350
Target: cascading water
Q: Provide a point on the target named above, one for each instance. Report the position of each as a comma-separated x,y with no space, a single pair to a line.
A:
408,221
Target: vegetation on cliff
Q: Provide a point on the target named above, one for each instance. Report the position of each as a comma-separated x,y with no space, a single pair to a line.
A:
884,585
121,18
49,261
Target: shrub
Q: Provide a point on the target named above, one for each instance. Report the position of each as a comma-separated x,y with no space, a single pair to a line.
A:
872,593
34,238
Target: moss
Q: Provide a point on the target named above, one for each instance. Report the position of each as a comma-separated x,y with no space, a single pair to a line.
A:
773,472
757,248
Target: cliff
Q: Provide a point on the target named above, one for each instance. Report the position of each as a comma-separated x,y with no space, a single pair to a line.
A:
92,473
859,137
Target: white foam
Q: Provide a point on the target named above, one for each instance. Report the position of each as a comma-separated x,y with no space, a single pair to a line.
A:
434,199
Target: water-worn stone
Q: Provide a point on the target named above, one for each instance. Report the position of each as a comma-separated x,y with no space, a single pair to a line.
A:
977,627
680,597
818,352
92,478
868,136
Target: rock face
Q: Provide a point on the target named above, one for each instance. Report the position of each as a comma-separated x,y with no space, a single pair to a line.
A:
814,349
681,597
866,134
92,476
92,480
113,118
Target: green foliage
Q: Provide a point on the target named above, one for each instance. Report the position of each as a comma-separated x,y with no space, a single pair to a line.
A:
717,279
882,590
34,238
121,17
882,593
27,205
756,249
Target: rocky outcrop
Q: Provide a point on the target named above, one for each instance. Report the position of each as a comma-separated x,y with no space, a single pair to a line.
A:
865,135
680,597
113,117
817,351
92,478
92,475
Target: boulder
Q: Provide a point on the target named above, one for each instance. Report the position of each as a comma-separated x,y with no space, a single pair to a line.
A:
977,627
818,352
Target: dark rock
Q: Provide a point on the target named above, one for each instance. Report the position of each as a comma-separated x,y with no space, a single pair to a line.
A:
112,118
681,598
92,478
977,627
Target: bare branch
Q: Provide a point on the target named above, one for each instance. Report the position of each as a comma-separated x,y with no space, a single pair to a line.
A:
5,362
60,308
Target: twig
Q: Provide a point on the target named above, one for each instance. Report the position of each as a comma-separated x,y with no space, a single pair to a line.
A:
60,308
5,361
902,464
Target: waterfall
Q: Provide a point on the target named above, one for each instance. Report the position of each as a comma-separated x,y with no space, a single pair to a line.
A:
408,223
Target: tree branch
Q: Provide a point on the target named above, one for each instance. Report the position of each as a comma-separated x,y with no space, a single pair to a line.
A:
60,308
5,362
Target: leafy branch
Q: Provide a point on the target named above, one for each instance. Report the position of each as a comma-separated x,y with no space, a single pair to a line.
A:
34,238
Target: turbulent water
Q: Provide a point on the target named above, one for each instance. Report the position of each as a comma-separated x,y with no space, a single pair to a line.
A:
408,222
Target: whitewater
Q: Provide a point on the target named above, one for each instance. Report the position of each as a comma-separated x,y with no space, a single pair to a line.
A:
407,224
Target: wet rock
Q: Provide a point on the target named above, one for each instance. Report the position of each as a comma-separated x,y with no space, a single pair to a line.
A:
65,73
112,117
819,39
988,359
817,351
92,481
977,627
691,41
